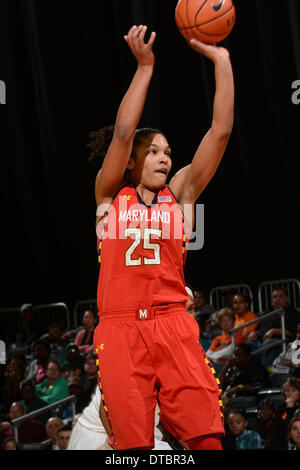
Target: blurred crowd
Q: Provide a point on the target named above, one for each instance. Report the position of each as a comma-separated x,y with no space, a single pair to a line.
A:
259,375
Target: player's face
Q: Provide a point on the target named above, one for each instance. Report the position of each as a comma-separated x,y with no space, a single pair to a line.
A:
152,163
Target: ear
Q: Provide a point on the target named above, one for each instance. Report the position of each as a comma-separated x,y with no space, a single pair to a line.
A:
130,164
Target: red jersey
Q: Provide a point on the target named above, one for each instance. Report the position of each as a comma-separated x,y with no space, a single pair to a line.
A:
142,252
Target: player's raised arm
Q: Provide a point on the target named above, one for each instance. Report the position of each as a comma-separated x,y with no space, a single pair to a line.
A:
210,152
117,157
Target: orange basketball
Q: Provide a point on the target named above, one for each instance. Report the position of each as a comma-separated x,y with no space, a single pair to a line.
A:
210,21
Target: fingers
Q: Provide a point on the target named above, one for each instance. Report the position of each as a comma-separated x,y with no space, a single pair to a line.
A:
136,36
152,39
201,46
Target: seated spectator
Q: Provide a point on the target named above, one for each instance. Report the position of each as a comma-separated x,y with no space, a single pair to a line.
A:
32,328
228,440
270,331
228,296
74,363
57,340
220,349
84,338
11,387
63,436
243,375
89,375
202,306
269,426
9,444
36,369
240,305
54,387
291,393
81,399
245,439
294,434
52,426
31,402
29,431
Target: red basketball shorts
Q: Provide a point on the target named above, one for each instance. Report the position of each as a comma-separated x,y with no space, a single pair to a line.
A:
149,356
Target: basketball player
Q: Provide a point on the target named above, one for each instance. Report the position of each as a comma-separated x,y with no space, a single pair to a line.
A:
89,433
148,350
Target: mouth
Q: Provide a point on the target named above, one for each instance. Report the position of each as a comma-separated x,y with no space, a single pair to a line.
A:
163,171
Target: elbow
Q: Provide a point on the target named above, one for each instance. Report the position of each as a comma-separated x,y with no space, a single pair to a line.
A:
222,131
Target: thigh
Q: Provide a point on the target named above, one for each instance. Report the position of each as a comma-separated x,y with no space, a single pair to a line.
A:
190,396
127,383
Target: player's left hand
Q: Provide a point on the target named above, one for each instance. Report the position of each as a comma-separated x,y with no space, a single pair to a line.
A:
211,51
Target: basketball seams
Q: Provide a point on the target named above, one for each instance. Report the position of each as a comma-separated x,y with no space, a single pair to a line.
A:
209,21
180,19
190,13
220,16
204,3
186,11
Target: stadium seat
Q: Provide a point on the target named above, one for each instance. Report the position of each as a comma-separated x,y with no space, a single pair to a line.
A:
245,402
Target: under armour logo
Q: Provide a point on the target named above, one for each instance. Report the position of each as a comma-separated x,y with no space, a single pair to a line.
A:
218,6
143,314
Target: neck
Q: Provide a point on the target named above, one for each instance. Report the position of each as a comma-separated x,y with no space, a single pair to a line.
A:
146,194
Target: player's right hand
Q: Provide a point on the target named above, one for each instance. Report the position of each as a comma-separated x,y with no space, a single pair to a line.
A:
141,50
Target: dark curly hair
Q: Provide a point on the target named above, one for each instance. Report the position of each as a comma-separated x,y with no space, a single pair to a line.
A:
101,139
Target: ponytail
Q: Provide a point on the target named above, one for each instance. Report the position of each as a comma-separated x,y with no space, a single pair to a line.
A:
100,141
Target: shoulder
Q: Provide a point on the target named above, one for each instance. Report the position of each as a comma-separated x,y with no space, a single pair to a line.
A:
80,334
104,205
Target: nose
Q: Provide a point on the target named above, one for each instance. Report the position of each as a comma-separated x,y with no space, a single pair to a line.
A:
163,157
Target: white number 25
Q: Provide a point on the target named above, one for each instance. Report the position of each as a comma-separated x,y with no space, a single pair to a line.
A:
147,245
